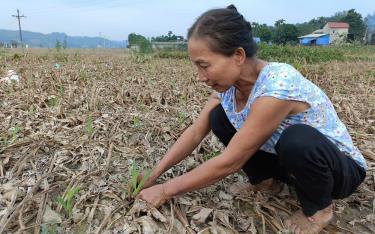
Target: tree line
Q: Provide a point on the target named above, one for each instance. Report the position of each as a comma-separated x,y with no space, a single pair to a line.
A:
281,32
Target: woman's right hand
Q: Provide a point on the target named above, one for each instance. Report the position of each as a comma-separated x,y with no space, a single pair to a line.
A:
149,182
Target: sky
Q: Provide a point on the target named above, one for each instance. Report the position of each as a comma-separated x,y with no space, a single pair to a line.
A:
115,19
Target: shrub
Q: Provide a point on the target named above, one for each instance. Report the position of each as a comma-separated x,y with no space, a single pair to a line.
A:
173,54
299,54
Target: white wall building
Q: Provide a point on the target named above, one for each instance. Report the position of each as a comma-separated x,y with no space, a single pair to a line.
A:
338,31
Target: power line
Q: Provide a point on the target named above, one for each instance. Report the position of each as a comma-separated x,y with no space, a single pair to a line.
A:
18,16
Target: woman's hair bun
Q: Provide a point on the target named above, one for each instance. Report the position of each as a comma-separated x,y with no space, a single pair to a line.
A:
232,7
219,25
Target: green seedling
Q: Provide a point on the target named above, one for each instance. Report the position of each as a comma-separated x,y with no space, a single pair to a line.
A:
136,121
14,131
83,76
61,90
135,186
67,201
89,125
182,116
53,101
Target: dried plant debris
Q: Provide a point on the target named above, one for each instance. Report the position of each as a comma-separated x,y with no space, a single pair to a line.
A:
84,124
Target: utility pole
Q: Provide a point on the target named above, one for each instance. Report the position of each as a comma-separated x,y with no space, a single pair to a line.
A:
18,16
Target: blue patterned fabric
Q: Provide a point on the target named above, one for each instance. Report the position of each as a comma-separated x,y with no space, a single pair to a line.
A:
284,82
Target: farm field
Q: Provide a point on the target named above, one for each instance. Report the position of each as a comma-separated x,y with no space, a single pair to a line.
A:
82,123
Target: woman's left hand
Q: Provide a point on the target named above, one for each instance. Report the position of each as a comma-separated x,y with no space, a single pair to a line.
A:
155,195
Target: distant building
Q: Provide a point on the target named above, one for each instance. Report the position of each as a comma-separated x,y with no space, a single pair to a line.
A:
168,45
331,33
315,39
338,31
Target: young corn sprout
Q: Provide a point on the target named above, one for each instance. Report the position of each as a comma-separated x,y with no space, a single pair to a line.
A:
67,201
89,129
135,184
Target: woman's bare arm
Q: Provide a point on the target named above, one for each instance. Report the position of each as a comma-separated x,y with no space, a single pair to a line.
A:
265,117
187,142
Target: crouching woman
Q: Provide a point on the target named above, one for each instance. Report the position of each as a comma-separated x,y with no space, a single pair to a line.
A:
277,126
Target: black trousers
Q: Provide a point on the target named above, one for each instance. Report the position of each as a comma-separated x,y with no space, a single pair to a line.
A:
305,159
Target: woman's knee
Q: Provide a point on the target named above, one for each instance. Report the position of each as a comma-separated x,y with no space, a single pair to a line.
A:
295,143
296,138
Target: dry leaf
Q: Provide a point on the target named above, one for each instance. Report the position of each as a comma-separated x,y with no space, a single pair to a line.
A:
202,215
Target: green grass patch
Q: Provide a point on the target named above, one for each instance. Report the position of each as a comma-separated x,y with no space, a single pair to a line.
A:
296,54
172,54
299,54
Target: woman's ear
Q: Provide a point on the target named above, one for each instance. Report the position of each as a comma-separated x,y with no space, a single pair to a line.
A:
239,56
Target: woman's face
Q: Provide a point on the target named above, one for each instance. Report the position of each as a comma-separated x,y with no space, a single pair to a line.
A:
218,71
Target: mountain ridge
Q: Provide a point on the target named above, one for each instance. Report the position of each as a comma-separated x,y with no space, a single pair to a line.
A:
37,39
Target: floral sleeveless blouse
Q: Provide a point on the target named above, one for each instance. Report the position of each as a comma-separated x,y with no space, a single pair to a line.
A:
284,82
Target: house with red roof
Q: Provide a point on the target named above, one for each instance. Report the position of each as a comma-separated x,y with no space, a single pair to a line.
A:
337,31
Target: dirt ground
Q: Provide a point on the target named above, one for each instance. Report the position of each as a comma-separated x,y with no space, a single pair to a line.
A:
82,124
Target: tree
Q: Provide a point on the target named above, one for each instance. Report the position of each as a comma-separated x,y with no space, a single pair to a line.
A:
357,26
141,41
337,17
133,39
279,22
58,45
285,33
166,38
262,31
370,23
170,33
312,25
318,23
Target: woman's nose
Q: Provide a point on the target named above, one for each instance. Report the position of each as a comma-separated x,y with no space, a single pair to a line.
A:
201,77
